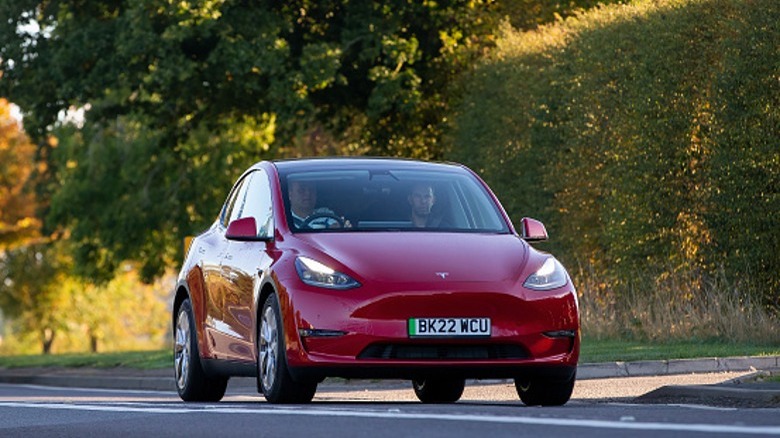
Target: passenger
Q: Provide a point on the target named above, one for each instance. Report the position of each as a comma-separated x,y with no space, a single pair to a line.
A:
422,199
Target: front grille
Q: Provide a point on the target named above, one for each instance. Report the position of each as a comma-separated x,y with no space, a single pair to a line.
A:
443,352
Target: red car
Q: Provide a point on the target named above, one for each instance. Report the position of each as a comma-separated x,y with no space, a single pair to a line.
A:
371,268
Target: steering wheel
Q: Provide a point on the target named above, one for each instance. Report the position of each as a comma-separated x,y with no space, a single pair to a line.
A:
324,218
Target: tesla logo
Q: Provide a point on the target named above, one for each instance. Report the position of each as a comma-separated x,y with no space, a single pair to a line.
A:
443,275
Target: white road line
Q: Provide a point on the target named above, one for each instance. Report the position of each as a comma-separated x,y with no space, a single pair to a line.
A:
394,415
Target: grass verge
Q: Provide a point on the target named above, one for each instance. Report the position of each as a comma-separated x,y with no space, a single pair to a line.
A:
592,351
627,351
131,359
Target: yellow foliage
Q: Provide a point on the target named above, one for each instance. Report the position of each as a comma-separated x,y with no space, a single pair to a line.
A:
17,200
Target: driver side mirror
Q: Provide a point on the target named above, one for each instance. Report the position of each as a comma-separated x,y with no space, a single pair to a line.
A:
244,229
531,230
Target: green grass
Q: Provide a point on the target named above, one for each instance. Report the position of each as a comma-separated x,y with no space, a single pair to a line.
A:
627,351
592,351
131,359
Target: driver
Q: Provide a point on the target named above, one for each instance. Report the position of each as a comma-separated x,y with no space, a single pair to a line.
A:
303,198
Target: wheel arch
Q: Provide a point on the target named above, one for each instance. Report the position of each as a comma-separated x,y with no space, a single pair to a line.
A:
268,288
182,293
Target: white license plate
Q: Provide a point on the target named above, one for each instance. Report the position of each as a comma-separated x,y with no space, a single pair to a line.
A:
449,327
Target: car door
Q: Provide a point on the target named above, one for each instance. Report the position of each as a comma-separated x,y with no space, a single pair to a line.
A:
218,333
243,264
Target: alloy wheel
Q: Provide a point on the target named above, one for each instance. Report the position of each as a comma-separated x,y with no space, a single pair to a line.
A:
269,348
181,349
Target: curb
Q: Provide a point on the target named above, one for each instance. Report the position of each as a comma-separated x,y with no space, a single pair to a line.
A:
676,366
95,382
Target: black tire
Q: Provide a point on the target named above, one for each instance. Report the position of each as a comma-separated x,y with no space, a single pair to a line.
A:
439,390
544,391
273,377
192,383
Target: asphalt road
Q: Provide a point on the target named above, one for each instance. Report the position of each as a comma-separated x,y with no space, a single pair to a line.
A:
600,407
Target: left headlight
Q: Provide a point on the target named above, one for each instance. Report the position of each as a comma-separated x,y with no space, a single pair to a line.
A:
317,274
550,275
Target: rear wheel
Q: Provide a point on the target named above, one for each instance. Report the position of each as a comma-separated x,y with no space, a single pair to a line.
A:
273,377
192,383
544,391
439,390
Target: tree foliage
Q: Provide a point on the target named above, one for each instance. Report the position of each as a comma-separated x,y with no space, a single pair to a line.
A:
18,221
645,135
182,95
58,312
29,294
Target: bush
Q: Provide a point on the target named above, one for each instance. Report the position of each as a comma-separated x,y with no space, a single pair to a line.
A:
644,135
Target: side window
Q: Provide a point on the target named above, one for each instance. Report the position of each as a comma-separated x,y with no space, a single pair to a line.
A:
258,203
233,203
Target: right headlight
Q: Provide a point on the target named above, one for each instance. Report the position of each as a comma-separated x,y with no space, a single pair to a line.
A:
550,275
317,274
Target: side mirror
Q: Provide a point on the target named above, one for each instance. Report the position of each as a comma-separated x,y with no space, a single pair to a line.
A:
244,229
531,230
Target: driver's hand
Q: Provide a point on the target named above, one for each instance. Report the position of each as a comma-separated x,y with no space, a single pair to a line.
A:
347,223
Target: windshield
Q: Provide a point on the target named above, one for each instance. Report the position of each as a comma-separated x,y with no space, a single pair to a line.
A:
389,200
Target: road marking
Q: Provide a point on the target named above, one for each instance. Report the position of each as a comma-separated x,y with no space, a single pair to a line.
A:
394,415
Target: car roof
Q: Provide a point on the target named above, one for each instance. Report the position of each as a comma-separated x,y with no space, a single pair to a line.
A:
343,163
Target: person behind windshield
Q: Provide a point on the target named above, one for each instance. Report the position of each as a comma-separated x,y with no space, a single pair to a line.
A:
422,199
303,199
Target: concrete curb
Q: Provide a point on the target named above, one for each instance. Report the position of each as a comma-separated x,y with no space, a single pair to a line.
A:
676,366
92,381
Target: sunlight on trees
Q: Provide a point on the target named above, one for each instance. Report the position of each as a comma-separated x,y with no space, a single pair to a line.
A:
18,222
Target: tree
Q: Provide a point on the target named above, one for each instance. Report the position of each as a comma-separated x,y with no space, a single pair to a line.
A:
17,202
644,134
183,95
30,294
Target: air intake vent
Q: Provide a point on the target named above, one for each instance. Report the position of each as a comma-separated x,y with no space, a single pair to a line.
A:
443,352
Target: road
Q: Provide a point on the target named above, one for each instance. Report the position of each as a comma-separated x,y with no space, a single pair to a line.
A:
602,407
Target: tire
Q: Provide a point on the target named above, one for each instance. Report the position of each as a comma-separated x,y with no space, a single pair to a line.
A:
192,383
273,377
439,390
544,391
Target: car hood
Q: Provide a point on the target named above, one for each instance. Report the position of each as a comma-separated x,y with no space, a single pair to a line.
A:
399,257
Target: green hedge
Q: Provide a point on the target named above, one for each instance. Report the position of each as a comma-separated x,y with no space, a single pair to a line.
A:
646,136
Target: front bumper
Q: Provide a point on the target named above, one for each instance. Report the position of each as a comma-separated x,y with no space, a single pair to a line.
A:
532,333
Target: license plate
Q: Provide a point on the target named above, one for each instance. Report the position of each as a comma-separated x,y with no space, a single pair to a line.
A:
449,327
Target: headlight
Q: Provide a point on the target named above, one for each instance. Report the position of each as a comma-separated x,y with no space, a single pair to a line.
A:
550,276
315,273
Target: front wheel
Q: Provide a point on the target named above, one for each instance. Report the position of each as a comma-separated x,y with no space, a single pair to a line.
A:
192,383
274,379
439,390
539,391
